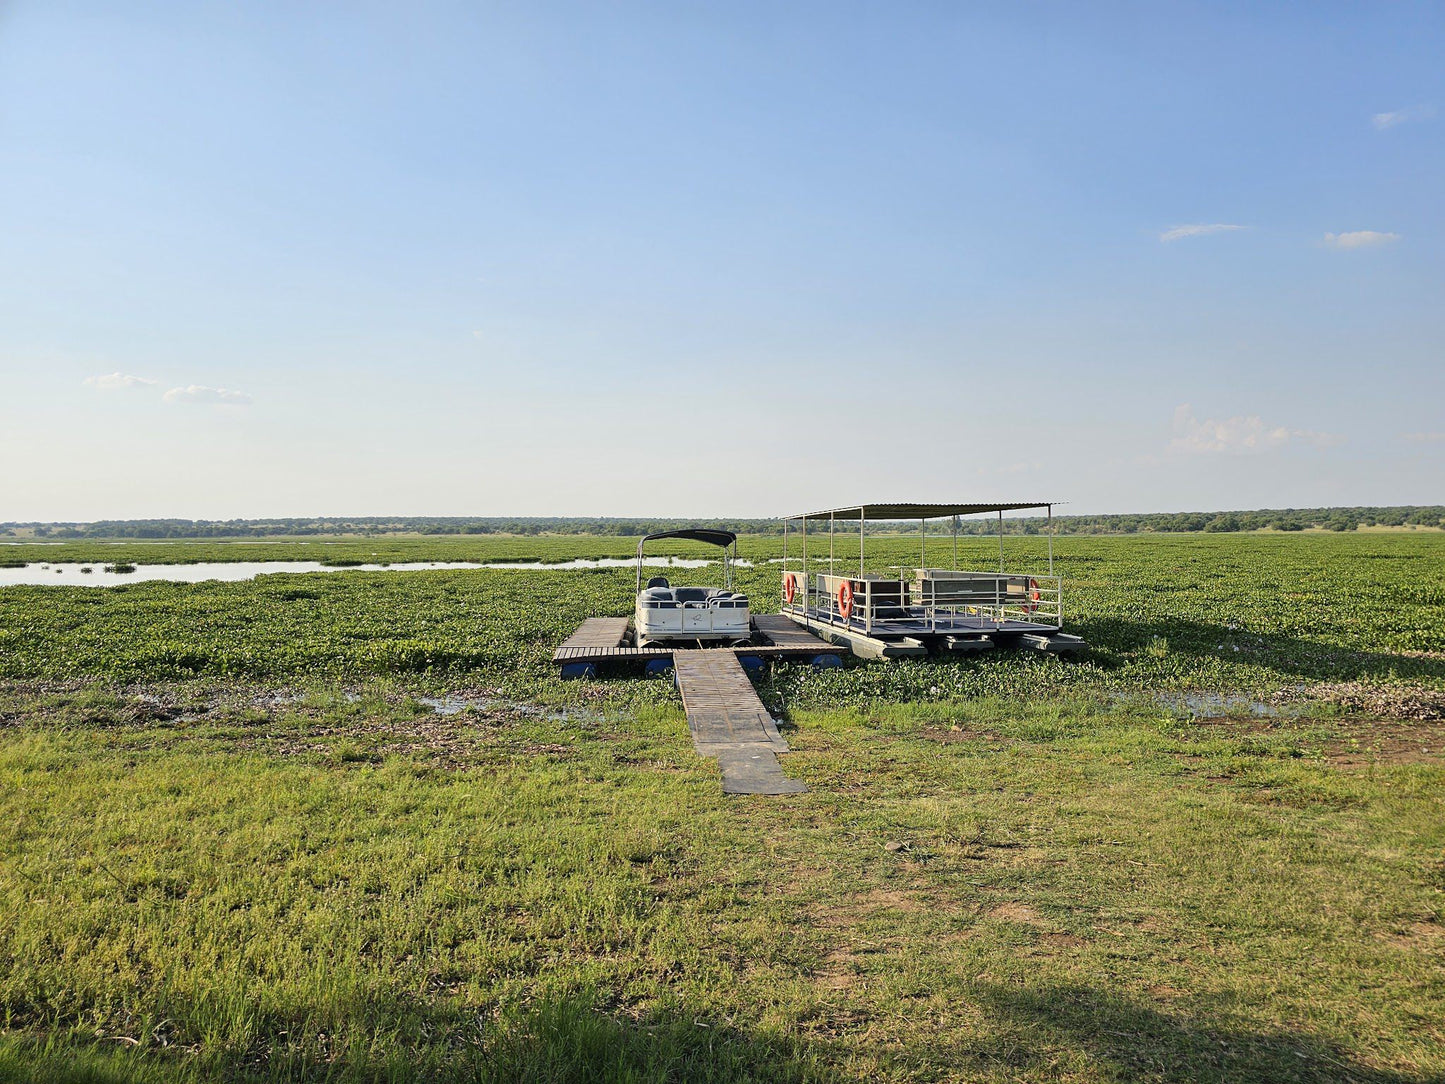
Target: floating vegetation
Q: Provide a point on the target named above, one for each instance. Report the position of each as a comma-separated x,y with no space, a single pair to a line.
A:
1213,613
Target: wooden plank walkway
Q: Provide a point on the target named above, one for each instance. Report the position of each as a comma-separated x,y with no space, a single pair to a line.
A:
728,721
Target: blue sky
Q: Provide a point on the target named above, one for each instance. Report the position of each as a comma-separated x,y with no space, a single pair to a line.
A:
717,259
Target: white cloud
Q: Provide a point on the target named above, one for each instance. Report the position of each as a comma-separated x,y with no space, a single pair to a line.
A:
199,393
1360,239
1401,116
1424,438
1241,435
116,381
1176,233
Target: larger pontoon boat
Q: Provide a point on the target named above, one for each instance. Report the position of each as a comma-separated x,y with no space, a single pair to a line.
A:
914,608
667,614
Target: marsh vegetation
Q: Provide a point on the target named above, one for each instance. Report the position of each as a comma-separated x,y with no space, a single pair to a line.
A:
245,846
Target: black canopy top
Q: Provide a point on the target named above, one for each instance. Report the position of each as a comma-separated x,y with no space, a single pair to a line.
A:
918,511
697,534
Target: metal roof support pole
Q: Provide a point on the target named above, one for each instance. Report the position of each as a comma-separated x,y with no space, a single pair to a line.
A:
1051,540
805,545
830,543
1000,539
955,543
861,517
923,545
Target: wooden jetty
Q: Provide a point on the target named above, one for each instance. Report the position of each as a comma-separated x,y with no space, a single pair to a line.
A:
728,721
604,640
726,718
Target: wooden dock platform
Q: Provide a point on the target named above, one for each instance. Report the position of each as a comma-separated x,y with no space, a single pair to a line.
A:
596,632
724,715
604,640
728,721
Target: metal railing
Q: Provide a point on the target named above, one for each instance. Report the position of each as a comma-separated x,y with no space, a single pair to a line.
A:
934,601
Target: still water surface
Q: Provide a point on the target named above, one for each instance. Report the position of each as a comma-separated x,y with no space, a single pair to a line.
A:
95,575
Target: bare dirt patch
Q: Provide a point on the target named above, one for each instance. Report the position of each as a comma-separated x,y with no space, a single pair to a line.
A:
892,899
1355,742
1062,940
837,970
1014,911
1379,742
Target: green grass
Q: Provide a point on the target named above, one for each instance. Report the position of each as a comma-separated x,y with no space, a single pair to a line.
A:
313,891
238,848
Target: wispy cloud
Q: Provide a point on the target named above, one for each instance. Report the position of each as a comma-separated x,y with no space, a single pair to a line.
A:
199,393
1424,438
117,381
1198,229
1243,434
1402,116
1360,239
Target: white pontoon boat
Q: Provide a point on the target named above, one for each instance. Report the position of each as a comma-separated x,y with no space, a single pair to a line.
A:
667,614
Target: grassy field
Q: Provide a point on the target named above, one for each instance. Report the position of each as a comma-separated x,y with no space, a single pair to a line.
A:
241,848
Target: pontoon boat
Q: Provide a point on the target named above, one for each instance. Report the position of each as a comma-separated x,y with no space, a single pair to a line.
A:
667,614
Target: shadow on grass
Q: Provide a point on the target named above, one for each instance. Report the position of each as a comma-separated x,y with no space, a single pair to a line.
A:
1069,1032
1123,1040
1289,656
565,1041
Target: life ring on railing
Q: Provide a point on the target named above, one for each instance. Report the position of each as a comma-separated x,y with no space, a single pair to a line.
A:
845,599
789,588
1031,596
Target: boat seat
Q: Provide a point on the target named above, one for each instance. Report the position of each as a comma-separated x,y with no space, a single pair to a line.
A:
692,594
658,581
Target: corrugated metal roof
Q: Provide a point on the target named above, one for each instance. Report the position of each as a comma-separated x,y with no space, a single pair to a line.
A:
918,511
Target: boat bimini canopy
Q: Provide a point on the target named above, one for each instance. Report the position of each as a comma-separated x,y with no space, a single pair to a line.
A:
709,535
864,513
918,511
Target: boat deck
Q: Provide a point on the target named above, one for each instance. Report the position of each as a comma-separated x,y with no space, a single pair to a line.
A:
916,624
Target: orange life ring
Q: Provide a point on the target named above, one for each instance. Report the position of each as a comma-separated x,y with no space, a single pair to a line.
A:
845,599
1031,602
789,588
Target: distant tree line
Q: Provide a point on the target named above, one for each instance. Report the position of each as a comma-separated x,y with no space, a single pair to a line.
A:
1285,519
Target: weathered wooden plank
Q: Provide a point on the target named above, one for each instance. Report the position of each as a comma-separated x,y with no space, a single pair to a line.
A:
767,651
728,721
598,632
781,632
